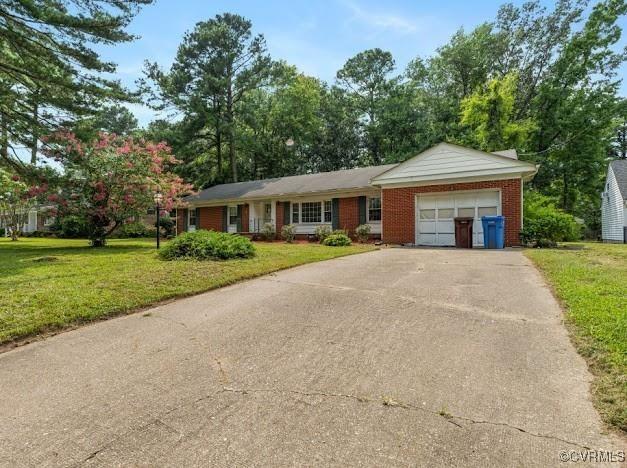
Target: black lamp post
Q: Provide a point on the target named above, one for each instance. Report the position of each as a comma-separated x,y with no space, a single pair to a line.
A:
158,198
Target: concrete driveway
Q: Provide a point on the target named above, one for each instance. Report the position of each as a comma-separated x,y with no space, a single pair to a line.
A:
392,358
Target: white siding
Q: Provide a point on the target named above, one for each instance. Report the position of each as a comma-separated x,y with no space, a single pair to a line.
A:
446,161
612,210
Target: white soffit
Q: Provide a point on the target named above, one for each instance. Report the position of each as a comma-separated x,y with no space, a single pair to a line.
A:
446,161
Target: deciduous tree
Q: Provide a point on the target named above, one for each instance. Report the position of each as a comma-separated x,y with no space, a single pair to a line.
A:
112,179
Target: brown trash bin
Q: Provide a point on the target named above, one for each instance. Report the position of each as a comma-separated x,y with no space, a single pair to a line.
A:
463,233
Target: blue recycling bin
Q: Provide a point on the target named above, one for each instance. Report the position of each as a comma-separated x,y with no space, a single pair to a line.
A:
493,232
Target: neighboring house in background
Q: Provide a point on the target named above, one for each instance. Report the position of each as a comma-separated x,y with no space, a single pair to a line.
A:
414,202
39,219
614,203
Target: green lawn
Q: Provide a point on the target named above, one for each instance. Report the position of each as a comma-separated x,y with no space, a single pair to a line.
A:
592,285
47,284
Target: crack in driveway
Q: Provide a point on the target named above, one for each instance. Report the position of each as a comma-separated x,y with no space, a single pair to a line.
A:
386,401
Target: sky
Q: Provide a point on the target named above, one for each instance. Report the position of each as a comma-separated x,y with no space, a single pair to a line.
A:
316,36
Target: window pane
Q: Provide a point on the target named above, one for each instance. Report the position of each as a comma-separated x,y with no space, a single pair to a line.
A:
327,211
446,213
312,212
232,214
374,215
427,214
295,212
374,209
466,212
487,211
374,203
268,210
192,217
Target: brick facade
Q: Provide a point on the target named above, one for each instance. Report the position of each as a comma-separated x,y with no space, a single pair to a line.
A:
399,208
210,218
181,213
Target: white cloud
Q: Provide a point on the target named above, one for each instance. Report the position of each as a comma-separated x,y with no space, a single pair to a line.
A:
382,20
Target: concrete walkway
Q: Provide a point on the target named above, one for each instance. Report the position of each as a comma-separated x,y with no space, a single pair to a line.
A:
392,358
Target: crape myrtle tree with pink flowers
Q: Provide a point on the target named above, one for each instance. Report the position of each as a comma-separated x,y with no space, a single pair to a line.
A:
111,180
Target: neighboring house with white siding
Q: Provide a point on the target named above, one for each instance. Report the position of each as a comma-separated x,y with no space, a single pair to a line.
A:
614,203
39,219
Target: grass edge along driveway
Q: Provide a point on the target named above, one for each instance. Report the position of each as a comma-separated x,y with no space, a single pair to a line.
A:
589,280
51,284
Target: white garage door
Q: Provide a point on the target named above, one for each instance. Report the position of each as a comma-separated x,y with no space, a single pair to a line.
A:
435,215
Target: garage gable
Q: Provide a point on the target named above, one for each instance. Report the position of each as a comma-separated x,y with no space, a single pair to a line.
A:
448,162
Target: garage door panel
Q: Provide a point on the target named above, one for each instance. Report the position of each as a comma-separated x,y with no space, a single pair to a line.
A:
446,239
428,202
446,227
427,227
428,239
445,202
487,198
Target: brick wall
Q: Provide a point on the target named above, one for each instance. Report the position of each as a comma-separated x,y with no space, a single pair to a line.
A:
211,218
181,213
349,214
399,208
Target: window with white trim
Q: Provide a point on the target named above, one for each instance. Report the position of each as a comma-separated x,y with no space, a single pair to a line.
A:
311,212
328,213
295,212
192,217
232,215
374,209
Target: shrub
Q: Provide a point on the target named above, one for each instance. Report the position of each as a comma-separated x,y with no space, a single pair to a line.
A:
205,245
2,232
545,225
322,232
134,230
363,232
72,227
167,224
288,233
337,239
268,232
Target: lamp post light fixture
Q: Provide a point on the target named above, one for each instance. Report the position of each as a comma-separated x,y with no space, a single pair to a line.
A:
158,198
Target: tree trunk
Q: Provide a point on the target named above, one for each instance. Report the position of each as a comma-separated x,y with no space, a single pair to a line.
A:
35,136
231,130
4,139
98,242
217,110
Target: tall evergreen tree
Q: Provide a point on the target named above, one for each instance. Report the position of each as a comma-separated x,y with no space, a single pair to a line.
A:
218,64
49,70
367,78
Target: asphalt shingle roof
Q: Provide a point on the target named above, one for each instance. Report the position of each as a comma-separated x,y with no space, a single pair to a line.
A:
347,179
619,168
